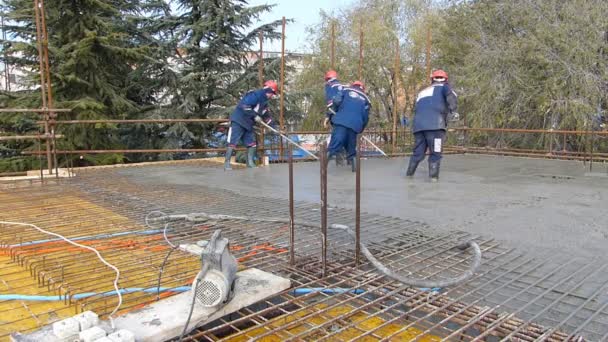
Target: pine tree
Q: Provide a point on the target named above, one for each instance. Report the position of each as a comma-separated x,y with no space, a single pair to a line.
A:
96,49
210,39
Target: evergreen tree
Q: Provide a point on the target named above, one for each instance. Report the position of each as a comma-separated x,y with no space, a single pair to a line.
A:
210,39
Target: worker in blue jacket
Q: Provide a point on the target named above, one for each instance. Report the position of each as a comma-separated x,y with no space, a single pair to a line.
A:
351,107
242,119
433,105
332,87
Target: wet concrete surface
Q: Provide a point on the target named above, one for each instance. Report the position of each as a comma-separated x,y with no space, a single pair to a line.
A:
541,207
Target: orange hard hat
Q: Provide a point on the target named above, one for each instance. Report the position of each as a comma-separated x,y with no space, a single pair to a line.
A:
331,74
358,84
439,74
271,85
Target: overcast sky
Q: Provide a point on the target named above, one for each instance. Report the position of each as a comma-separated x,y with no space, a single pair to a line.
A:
304,13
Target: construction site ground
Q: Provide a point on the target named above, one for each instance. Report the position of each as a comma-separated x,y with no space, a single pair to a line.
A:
539,206
540,223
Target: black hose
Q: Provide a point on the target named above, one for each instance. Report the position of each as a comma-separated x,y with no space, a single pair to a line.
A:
162,269
198,278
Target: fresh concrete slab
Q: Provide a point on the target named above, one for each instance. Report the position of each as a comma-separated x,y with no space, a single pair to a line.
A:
541,206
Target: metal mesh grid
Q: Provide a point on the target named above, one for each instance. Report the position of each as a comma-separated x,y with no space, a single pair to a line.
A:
511,297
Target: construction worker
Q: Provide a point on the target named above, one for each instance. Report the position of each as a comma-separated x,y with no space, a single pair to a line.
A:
332,88
252,107
433,104
351,106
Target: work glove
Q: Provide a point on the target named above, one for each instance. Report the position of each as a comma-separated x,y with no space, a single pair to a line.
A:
455,117
258,119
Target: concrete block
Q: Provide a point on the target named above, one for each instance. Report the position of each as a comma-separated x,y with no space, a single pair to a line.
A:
92,334
87,320
122,336
165,319
66,328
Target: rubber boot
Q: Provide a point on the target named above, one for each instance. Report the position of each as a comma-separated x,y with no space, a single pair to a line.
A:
329,158
434,171
340,159
411,168
353,165
250,155
227,166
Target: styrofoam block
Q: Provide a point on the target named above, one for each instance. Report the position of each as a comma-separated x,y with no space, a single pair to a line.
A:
122,336
92,334
87,319
66,328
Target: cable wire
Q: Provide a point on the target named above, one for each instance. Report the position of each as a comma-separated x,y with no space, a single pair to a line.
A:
116,287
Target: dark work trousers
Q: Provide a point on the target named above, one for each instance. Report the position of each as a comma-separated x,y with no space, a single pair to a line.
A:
238,133
433,140
343,137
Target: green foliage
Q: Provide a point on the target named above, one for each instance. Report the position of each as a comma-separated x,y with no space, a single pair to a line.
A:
135,59
386,26
527,63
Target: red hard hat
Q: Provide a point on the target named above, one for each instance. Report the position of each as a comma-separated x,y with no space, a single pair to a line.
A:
331,74
272,85
439,74
358,84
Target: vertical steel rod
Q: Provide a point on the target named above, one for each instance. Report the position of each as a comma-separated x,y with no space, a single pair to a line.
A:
428,52
261,60
39,38
333,45
361,50
7,72
292,228
261,80
395,95
323,165
466,131
49,88
282,105
358,203
45,52
592,143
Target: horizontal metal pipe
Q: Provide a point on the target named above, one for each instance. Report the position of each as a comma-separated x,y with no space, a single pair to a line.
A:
136,151
34,110
27,137
521,130
134,121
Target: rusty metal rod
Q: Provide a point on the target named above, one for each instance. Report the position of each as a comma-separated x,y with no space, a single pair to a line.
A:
323,165
39,39
262,138
129,121
521,130
34,110
292,228
360,74
395,96
141,151
358,203
333,45
27,137
282,95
